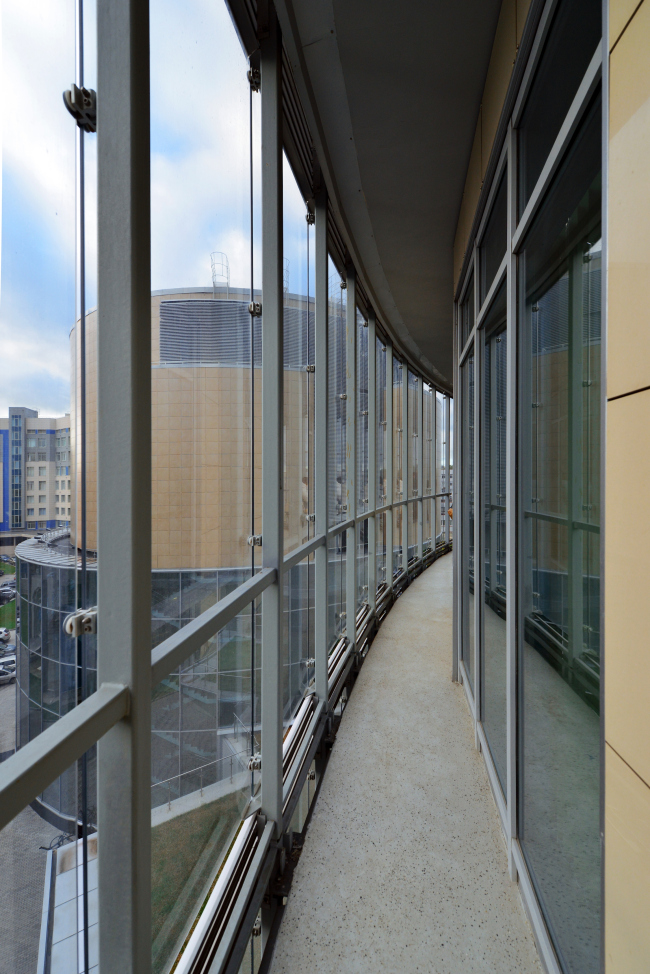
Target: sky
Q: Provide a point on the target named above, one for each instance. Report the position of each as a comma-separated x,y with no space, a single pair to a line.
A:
199,178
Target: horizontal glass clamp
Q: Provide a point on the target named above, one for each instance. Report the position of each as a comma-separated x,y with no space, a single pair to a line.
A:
82,105
255,762
255,540
81,622
255,309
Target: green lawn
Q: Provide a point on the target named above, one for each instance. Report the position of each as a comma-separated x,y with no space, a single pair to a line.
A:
6,569
8,615
184,852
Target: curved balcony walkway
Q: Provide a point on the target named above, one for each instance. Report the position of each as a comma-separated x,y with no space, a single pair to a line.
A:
404,866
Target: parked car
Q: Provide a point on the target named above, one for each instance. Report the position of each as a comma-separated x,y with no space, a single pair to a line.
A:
7,676
8,662
4,634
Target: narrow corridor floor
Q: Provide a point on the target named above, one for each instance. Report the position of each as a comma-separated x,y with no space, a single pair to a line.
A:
404,866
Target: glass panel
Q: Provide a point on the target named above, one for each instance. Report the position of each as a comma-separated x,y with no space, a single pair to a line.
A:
380,544
441,467
336,588
413,436
397,539
49,898
427,438
569,47
467,554
560,281
413,530
336,420
206,442
493,244
362,414
298,355
493,487
427,537
466,313
205,725
382,431
398,432
298,634
362,564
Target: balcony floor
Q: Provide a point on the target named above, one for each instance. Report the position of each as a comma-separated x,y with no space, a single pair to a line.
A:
404,867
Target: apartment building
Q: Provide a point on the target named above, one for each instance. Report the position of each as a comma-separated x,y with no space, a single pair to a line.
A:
35,477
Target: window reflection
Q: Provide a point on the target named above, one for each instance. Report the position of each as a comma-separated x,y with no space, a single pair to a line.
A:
493,491
560,281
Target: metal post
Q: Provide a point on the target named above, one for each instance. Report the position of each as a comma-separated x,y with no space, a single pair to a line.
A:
405,466
372,460
272,418
320,459
124,482
511,509
420,454
452,501
351,586
389,464
478,574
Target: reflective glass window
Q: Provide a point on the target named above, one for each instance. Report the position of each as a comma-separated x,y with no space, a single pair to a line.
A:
493,244
559,530
467,502
466,313
493,492
362,414
337,397
570,44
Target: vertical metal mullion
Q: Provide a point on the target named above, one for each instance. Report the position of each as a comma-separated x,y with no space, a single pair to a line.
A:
478,534
272,419
124,482
321,444
420,448
479,563
372,460
453,502
351,587
511,508
389,464
405,466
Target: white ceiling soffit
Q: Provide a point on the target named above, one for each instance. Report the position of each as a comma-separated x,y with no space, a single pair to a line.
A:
391,92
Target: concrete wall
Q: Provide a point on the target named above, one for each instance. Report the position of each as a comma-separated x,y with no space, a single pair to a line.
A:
627,519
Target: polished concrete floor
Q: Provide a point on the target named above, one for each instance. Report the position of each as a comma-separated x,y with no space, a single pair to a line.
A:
404,866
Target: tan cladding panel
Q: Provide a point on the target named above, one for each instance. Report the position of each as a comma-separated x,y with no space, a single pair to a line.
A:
628,282
512,18
627,570
91,434
201,467
627,868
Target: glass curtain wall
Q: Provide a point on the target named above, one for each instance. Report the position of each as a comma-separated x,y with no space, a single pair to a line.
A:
49,283
298,446
559,585
545,751
206,447
206,467
467,509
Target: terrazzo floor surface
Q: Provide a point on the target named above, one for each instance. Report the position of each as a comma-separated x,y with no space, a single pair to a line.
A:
404,867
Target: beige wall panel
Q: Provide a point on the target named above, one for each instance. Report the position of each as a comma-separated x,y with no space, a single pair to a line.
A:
523,7
627,869
620,12
502,59
628,341
471,193
627,570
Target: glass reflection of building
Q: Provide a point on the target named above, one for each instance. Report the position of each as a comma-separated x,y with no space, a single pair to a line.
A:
205,718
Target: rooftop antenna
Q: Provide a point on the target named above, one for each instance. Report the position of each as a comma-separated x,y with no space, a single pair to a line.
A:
220,273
